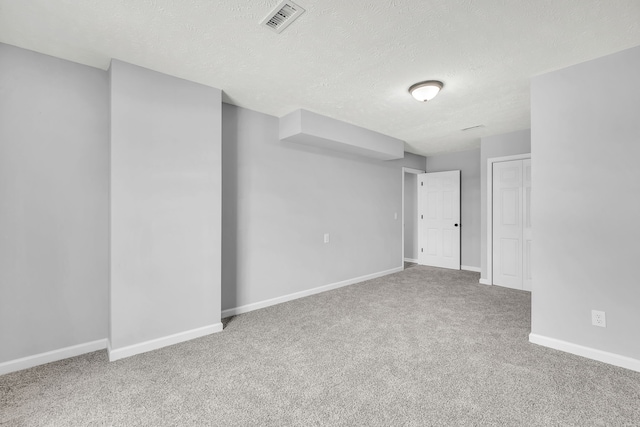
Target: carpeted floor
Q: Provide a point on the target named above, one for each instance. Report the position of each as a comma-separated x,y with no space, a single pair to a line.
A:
408,264
424,347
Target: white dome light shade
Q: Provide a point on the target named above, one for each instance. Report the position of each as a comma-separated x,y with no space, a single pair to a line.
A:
425,91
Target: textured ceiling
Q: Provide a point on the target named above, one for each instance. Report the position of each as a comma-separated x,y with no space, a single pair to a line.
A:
349,60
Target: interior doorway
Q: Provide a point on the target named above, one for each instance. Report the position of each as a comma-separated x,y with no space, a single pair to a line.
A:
509,237
439,210
410,216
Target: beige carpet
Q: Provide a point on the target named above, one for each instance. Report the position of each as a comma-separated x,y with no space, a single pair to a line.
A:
424,347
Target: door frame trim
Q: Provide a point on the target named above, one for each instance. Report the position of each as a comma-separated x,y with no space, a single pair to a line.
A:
415,172
490,161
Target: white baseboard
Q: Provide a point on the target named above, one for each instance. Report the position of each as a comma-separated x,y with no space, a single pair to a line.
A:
411,260
588,352
469,268
278,300
51,356
484,282
143,347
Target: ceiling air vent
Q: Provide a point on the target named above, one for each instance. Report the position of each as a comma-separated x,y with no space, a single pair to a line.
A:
472,127
282,16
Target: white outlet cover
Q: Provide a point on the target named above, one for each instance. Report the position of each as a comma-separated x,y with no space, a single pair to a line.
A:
326,237
598,318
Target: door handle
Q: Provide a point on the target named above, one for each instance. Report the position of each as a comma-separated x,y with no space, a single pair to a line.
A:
455,225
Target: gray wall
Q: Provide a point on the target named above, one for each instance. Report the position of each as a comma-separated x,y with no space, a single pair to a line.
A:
411,215
279,198
468,162
507,144
586,203
165,205
54,203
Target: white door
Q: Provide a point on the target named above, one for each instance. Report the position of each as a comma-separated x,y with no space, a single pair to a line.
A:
512,224
439,219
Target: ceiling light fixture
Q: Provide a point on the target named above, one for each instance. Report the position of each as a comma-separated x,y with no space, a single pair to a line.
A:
426,91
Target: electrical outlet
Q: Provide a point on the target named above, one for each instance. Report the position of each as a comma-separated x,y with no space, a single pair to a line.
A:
326,237
598,318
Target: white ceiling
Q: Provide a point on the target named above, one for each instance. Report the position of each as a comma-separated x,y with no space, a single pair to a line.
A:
351,60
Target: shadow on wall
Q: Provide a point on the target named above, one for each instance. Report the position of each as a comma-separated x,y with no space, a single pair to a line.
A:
229,207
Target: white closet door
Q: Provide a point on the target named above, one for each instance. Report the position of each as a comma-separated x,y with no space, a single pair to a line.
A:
526,225
507,224
439,210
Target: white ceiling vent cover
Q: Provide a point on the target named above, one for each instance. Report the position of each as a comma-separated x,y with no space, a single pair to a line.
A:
282,16
472,127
